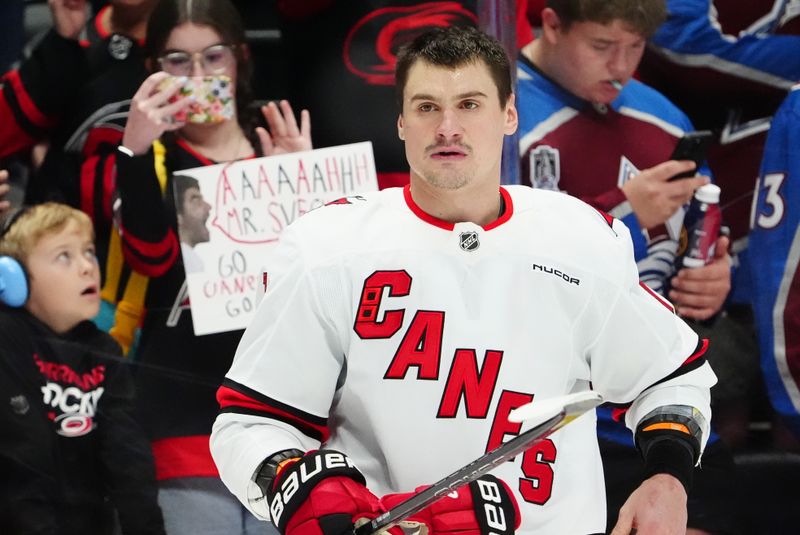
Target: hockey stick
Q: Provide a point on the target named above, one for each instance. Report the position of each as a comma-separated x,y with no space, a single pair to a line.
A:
556,413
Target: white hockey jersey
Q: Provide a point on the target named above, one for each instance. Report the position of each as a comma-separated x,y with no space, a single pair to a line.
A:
404,341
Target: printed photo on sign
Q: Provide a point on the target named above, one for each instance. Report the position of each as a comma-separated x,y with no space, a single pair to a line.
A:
231,216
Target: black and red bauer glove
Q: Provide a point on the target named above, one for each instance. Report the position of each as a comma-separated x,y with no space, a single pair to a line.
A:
484,507
319,493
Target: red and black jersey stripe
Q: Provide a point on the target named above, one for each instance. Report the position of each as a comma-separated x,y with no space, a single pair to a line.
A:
694,361
237,398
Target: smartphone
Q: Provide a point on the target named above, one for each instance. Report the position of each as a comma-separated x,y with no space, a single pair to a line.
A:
213,99
692,146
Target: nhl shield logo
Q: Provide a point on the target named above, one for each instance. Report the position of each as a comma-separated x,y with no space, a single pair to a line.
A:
469,240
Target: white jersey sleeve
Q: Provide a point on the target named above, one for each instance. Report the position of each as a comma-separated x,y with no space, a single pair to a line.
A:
253,426
670,371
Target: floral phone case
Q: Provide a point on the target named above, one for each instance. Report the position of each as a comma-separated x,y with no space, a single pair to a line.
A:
213,102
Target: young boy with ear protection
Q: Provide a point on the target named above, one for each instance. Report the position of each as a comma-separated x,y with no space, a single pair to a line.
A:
70,441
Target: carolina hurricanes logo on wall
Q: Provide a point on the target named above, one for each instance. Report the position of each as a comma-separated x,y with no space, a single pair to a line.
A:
391,27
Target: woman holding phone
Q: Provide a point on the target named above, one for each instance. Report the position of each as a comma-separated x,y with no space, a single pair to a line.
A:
194,45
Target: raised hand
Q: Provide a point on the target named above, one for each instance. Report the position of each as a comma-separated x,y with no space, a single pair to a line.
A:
654,198
284,136
151,112
69,17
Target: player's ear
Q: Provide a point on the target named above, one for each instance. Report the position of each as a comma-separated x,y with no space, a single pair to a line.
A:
400,127
511,116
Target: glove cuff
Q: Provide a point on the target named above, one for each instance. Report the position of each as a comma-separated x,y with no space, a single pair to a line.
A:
294,483
495,508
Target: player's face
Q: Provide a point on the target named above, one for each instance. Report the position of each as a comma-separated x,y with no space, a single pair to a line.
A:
65,278
192,222
590,56
453,124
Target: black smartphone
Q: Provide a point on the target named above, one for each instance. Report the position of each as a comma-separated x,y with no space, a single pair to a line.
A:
692,146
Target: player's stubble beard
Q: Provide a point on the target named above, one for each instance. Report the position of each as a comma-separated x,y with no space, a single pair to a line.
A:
448,178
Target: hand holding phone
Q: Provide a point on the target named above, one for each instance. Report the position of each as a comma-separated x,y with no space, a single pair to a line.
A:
692,146
211,99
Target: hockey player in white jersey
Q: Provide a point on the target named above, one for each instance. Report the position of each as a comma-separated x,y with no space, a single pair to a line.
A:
400,328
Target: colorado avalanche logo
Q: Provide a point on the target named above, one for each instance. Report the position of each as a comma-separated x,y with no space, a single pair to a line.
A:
391,27
469,241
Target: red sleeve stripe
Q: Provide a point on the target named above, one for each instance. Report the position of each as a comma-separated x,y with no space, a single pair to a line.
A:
146,264
232,399
88,173
609,218
657,297
618,413
13,137
183,457
695,360
699,352
109,185
152,249
26,104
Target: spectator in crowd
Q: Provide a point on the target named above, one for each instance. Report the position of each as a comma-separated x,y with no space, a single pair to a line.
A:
352,329
72,94
590,130
70,439
180,371
729,64
774,259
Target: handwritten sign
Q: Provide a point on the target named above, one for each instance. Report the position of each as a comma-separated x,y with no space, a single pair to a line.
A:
231,216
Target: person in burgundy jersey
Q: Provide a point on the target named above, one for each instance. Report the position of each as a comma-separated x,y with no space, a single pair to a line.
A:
729,74
590,130
179,371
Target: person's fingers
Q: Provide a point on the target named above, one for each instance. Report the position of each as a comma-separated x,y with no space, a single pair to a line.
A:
288,117
165,113
3,175
276,122
721,247
685,187
624,524
149,85
305,124
165,91
267,147
666,170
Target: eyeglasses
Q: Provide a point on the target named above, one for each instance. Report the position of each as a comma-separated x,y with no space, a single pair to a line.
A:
215,59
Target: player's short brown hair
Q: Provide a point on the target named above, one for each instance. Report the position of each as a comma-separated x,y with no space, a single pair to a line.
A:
26,228
454,46
641,16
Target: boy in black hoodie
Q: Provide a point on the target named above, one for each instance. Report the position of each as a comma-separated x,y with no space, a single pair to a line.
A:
70,442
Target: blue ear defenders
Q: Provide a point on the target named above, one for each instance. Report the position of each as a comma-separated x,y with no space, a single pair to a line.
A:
13,279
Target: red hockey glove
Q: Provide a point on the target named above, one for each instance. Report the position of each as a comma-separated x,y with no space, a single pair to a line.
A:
485,506
320,493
